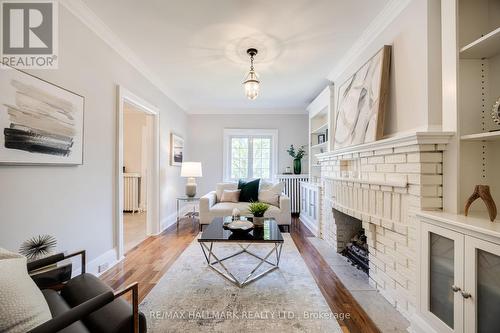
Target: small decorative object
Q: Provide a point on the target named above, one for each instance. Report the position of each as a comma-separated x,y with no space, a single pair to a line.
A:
483,192
252,83
495,113
240,226
297,158
40,123
321,138
288,171
258,209
176,149
190,170
362,102
38,247
236,214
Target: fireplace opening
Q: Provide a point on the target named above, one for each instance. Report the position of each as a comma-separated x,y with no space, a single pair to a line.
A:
351,240
356,251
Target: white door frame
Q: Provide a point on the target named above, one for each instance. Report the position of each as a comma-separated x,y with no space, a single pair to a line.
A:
153,188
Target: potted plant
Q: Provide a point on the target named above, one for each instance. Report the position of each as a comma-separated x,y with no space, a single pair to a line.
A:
297,158
257,209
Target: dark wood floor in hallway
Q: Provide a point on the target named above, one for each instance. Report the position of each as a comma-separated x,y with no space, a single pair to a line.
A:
150,260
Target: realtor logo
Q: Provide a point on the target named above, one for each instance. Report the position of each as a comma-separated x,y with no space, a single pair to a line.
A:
29,34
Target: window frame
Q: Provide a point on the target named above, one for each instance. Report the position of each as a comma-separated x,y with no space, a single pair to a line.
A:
248,133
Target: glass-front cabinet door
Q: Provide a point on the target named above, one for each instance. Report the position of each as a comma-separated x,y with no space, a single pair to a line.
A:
442,277
482,286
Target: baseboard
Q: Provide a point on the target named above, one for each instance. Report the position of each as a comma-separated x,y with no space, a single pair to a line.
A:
314,229
172,219
106,260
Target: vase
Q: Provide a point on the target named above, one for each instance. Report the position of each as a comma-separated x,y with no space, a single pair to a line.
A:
297,166
258,221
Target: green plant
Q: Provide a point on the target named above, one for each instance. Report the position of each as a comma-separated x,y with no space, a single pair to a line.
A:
258,208
296,154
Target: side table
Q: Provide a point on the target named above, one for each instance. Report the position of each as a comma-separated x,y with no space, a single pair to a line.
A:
185,198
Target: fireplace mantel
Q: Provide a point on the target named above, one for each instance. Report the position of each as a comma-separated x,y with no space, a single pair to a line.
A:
399,140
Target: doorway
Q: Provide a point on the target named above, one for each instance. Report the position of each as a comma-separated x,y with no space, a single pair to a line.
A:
137,182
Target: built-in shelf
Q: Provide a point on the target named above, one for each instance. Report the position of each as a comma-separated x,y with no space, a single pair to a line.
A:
485,47
320,145
476,221
488,136
321,129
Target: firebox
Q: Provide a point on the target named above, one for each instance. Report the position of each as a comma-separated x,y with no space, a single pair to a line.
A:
352,240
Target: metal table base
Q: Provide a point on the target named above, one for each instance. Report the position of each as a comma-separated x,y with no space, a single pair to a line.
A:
208,252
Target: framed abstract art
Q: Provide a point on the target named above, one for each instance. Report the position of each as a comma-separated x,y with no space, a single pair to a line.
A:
41,123
362,101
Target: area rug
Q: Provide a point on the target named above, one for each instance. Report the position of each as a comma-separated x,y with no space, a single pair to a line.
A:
191,297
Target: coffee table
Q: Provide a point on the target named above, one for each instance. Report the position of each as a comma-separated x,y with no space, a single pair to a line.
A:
269,233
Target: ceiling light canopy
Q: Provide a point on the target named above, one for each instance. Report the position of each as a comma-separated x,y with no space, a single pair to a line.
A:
252,83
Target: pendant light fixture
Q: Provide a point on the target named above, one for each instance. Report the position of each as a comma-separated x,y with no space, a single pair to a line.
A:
251,83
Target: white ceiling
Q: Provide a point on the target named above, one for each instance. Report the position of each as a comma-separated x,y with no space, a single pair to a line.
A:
198,47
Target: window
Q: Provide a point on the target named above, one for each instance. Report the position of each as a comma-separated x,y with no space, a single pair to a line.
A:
250,153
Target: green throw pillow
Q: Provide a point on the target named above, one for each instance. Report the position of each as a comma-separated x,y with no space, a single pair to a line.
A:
249,190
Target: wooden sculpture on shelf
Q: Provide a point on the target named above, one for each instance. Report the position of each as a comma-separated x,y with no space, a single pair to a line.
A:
483,192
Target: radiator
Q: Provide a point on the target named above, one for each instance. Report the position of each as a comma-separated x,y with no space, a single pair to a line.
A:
292,189
131,192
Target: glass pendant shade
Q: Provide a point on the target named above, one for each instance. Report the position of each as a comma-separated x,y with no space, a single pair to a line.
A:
252,85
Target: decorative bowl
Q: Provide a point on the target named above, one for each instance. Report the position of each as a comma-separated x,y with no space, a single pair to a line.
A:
240,226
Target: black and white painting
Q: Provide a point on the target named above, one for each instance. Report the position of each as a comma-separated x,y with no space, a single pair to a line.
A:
176,149
41,123
362,101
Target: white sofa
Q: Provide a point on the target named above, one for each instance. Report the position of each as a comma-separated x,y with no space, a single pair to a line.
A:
211,208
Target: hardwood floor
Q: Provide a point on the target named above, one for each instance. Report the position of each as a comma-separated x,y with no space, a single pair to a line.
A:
150,260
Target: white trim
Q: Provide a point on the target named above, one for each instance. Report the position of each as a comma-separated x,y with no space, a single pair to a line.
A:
171,219
388,14
400,140
79,9
248,111
153,188
228,132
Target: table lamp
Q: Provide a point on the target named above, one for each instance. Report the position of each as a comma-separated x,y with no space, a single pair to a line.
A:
191,170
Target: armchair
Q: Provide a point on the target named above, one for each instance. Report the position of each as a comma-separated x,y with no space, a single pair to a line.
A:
84,303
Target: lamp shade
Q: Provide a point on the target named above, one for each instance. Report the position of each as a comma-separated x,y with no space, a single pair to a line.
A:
191,169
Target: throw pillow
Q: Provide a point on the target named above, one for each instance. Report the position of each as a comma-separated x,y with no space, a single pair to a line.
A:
22,305
249,190
220,187
271,195
230,196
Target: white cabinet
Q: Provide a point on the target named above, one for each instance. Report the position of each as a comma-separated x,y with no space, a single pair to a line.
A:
310,206
459,285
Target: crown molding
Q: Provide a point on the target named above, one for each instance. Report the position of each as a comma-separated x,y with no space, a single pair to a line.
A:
249,111
79,9
374,29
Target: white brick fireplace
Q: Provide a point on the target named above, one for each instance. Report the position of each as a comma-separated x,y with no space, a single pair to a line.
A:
384,184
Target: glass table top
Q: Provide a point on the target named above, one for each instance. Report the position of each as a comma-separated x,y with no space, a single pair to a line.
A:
215,232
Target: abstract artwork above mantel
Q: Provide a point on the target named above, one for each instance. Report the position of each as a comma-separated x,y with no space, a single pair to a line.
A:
362,101
41,123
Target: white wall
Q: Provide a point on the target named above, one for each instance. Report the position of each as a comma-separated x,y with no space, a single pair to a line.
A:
415,89
76,203
206,140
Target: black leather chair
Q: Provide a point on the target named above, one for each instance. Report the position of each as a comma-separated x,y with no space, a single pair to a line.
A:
86,304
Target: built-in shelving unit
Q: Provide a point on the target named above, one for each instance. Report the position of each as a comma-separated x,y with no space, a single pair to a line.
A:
478,88
320,120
